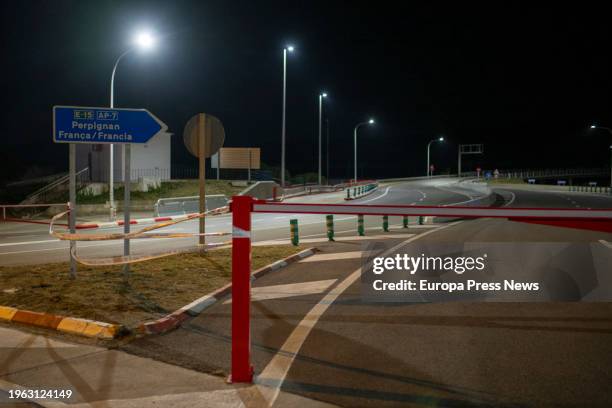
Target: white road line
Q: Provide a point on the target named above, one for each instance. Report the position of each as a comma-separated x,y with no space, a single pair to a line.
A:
29,242
271,379
605,243
376,198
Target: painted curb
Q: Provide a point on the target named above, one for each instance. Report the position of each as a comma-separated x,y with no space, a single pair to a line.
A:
72,325
173,320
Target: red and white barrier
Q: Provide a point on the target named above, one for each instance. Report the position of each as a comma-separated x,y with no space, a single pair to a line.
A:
243,206
111,224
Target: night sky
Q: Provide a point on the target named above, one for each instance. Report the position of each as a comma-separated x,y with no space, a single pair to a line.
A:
526,81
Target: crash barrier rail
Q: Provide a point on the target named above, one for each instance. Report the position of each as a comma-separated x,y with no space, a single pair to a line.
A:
187,205
360,190
243,206
543,173
27,212
590,189
144,233
307,190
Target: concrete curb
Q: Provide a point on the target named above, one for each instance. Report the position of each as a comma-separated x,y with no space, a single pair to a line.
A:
72,325
174,319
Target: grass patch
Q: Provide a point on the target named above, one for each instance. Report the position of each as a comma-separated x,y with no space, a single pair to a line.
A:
186,188
156,287
505,180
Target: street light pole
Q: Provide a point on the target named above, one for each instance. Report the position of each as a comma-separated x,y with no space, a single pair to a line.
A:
440,139
327,149
370,122
290,49
321,96
111,188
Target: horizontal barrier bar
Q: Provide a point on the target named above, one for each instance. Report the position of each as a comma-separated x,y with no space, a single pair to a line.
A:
435,211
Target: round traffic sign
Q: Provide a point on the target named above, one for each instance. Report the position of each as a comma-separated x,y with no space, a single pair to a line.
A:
206,129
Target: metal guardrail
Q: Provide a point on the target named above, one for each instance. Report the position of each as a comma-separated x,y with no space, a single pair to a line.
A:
188,205
591,189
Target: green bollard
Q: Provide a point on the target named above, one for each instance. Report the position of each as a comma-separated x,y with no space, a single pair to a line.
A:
348,193
386,223
360,228
330,227
405,221
295,236
421,219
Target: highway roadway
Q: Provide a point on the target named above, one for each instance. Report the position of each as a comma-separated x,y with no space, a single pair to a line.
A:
22,243
357,353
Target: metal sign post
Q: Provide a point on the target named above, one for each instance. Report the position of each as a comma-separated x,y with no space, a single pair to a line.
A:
203,136
202,175
127,181
72,198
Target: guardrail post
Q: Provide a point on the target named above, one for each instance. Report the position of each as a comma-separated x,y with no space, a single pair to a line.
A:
330,227
386,223
293,227
405,220
360,227
241,208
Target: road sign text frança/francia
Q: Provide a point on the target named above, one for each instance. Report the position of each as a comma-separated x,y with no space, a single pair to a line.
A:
75,124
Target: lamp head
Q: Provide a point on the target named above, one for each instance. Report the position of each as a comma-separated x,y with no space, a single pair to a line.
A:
593,127
144,40
441,139
371,121
290,48
324,94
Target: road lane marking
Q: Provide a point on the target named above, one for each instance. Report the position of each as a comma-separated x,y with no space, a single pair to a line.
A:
29,242
331,257
376,198
271,379
260,293
605,243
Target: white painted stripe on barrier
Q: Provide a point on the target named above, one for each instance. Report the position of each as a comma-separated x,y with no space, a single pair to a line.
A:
549,213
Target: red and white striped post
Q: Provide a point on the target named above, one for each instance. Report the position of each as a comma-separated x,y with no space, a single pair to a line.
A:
241,208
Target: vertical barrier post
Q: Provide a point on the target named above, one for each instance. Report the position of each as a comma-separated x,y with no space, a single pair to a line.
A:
348,193
330,227
293,228
360,228
405,220
421,220
242,371
386,223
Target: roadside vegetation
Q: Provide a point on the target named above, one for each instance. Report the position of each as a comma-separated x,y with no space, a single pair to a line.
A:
155,288
184,188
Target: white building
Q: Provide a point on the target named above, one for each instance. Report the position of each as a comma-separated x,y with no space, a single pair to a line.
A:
151,159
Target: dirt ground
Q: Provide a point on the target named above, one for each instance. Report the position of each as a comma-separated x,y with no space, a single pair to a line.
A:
155,288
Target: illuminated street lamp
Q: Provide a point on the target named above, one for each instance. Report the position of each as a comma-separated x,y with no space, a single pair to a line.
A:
610,132
321,96
288,48
142,41
440,139
369,122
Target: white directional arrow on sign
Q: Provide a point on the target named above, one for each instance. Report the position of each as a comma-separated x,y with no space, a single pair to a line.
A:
289,290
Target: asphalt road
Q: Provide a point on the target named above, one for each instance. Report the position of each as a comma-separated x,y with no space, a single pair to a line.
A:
452,353
22,243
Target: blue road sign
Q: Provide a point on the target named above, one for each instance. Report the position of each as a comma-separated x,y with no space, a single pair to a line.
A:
77,124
